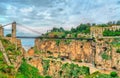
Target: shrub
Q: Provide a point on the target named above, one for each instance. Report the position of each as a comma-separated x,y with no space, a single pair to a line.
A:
113,74
111,33
45,66
48,77
57,42
73,70
2,75
105,56
8,35
67,41
28,71
118,51
10,47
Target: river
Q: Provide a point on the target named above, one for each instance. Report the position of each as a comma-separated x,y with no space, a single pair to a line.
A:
27,43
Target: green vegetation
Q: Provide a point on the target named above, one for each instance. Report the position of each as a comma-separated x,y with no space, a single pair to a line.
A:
111,33
36,50
73,70
28,71
110,23
100,75
25,70
3,75
10,47
118,51
113,74
8,35
82,29
61,33
118,22
116,42
105,56
45,66
5,70
67,41
57,42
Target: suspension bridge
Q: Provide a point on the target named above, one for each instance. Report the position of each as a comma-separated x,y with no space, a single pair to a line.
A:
17,26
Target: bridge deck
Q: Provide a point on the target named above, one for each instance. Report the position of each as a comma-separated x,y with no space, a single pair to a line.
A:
53,38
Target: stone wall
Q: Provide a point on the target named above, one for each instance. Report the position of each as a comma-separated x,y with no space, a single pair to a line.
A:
97,31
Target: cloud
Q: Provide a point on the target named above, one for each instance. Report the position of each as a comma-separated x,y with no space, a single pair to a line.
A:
26,10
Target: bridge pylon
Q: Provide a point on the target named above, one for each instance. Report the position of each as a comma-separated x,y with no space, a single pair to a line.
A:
1,31
14,29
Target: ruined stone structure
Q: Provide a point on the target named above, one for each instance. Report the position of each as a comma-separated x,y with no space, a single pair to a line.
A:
97,31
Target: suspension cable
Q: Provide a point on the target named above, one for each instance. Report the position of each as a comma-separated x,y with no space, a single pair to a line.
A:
25,27
6,24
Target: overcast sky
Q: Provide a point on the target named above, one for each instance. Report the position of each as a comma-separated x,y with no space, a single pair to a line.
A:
45,14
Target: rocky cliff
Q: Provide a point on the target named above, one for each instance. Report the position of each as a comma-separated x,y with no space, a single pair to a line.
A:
11,54
58,69
70,49
100,52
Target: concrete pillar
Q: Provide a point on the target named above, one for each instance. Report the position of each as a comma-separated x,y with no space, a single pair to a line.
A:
1,31
14,29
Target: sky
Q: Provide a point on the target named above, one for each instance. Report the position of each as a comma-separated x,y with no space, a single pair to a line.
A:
43,15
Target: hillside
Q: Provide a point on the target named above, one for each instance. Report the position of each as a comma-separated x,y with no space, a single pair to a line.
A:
12,63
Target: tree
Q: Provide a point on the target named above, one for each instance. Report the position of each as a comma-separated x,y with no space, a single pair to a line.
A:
61,29
118,22
93,24
83,28
8,35
103,25
54,29
110,23
73,30
113,74
114,22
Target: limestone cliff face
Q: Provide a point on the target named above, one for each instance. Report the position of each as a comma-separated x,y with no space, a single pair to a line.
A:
100,52
74,50
106,56
56,68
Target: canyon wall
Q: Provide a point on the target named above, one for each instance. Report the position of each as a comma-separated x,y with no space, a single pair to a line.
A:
58,69
70,49
99,52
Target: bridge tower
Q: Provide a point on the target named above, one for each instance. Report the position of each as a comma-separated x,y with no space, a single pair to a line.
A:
1,31
14,29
